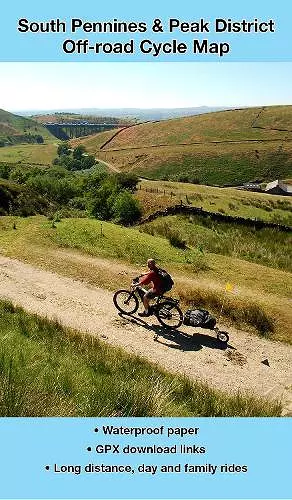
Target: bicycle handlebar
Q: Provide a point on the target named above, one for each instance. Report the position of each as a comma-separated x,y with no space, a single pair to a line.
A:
136,279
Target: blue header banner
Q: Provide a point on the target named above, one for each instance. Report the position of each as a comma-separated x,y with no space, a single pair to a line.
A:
149,31
138,458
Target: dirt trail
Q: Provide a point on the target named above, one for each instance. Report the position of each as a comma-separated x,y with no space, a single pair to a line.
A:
90,309
108,165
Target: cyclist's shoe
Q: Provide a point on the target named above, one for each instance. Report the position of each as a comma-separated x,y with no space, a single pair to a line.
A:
144,314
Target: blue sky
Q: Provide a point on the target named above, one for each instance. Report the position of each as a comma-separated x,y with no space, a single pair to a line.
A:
36,86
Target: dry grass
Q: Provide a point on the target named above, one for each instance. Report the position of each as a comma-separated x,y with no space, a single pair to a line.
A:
223,125
213,164
261,302
276,117
93,143
240,310
137,156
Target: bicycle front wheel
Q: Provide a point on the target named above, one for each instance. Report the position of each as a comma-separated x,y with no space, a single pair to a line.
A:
126,301
169,315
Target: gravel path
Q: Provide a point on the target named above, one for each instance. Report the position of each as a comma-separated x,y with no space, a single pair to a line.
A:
239,366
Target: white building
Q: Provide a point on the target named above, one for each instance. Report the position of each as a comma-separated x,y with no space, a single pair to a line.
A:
279,187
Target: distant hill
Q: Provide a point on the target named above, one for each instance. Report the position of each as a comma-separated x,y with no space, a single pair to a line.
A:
139,114
76,118
221,148
16,129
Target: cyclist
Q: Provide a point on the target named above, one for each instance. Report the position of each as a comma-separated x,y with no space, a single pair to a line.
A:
157,285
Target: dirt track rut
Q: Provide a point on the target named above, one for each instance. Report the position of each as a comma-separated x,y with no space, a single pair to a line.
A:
90,309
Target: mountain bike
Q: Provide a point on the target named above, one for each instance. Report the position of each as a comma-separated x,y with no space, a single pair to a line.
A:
166,309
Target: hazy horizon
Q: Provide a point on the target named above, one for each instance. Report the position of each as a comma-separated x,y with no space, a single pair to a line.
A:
134,108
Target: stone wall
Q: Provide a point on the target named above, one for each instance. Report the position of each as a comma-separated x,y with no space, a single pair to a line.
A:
187,210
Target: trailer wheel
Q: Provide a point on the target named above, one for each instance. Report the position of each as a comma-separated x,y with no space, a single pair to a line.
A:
223,337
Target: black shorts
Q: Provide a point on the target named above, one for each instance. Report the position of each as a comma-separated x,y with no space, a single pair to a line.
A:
150,294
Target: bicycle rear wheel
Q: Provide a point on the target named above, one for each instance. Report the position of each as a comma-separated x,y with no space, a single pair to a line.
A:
126,301
169,315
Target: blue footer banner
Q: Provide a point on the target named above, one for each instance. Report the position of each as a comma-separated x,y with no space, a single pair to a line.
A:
137,458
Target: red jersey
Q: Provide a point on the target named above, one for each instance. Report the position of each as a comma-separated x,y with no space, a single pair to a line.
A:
154,278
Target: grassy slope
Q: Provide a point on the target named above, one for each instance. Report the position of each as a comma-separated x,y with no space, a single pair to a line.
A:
268,247
94,142
29,154
261,304
47,370
217,164
133,149
13,125
220,126
276,116
155,195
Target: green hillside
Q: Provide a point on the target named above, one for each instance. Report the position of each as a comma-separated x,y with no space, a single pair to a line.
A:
16,129
29,154
93,143
227,147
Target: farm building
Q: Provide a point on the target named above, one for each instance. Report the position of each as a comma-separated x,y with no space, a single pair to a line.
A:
252,186
279,187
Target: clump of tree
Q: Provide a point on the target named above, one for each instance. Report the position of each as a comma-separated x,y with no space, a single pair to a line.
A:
24,138
29,190
54,184
110,197
74,159
63,149
126,208
19,200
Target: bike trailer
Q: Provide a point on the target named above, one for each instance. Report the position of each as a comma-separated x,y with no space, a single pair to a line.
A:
199,318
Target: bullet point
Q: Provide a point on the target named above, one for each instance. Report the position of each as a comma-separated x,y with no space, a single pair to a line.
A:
89,448
96,429
47,467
